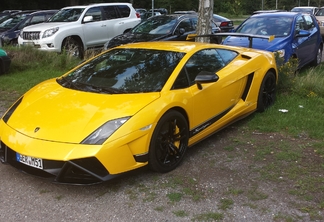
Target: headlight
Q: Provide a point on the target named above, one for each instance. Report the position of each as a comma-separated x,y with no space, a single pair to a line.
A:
281,53
50,32
101,134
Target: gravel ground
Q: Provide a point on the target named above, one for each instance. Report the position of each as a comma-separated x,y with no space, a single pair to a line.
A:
208,186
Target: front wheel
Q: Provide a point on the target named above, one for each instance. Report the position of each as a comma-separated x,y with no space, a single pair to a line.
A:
267,92
169,142
72,47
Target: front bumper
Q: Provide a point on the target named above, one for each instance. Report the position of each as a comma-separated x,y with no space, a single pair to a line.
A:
78,171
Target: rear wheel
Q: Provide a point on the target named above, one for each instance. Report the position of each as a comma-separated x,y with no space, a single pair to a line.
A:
267,93
169,142
72,47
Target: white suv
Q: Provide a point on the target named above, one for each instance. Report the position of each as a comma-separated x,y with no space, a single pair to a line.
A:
78,28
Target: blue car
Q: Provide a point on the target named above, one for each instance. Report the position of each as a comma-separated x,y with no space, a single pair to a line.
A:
296,35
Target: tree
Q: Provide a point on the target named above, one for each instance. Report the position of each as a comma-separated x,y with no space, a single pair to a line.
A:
205,16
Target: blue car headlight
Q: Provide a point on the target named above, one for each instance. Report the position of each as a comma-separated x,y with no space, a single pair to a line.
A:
101,134
281,53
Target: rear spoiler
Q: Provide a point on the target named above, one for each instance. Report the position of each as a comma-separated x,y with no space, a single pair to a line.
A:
249,36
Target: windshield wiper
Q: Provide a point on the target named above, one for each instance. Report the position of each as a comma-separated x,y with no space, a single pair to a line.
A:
87,87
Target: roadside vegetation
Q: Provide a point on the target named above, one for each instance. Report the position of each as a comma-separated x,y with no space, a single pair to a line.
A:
296,159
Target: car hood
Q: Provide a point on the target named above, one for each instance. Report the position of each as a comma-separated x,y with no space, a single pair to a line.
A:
51,112
274,45
45,25
134,37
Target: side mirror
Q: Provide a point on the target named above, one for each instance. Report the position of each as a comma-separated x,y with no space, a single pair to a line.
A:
205,77
87,19
302,33
181,31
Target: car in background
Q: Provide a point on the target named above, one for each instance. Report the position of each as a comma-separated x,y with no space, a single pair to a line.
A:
185,12
163,11
171,27
296,35
225,24
268,11
9,31
132,106
147,15
141,11
306,9
75,29
5,62
320,18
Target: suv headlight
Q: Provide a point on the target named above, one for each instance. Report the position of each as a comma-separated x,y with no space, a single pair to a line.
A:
50,32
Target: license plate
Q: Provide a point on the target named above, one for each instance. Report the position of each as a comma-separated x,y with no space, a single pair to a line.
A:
28,43
30,161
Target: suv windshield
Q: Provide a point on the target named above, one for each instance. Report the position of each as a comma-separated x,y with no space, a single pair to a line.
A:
67,15
159,25
124,71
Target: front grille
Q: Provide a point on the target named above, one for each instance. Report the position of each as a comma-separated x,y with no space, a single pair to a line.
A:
31,35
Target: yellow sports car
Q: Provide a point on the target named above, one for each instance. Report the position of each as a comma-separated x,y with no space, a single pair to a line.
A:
134,105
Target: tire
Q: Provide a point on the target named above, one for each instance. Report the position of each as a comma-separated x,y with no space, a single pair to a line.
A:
169,142
318,58
267,93
72,47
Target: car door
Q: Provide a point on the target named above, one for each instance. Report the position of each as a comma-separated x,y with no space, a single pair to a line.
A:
304,45
214,100
95,32
114,23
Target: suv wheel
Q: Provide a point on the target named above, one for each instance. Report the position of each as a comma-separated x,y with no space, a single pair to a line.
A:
72,47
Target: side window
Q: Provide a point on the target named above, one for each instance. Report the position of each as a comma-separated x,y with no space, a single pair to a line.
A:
194,23
95,12
227,55
309,22
205,60
186,25
182,80
124,10
110,12
300,23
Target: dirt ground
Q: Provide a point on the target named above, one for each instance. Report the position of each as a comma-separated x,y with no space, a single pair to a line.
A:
219,180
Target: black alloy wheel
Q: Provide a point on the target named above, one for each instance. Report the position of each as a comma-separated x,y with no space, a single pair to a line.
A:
169,142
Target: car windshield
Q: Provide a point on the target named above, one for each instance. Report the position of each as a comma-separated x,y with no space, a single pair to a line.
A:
67,15
124,71
11,22
277,26
160,25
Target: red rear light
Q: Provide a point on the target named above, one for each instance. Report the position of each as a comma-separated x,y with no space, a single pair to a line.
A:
224,24
138,15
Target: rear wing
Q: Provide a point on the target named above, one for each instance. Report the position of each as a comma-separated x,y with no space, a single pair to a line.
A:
249,36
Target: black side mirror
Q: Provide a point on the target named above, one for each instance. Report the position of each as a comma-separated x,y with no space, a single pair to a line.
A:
205,77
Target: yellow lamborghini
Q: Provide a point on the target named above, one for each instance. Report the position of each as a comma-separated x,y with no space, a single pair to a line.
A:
134,105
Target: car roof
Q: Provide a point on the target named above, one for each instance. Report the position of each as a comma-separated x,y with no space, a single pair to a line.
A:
275,14
98,4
